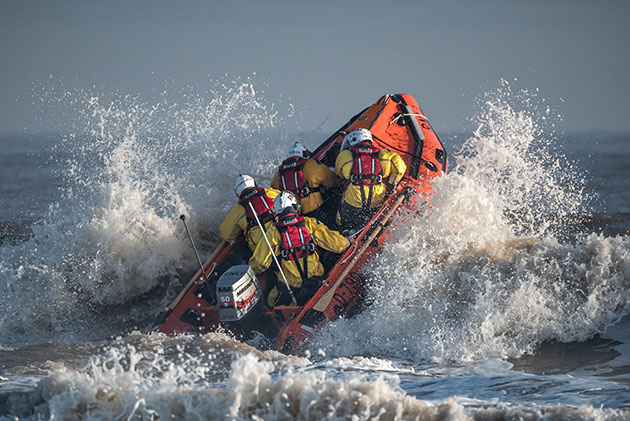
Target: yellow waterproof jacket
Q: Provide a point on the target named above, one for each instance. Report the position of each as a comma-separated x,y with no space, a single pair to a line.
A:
392,166
235,223
317,175
322,236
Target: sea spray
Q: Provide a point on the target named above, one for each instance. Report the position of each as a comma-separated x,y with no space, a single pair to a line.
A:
488,269
130,168
514,158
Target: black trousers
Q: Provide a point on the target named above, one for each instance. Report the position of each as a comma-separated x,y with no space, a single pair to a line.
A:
302,294
327,212
354,219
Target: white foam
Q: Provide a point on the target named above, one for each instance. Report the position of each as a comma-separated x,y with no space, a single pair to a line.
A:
127,382
132,168
481,273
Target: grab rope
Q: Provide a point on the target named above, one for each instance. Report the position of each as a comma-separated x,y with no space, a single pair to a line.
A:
403,115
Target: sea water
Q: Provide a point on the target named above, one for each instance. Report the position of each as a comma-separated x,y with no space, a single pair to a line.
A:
506,297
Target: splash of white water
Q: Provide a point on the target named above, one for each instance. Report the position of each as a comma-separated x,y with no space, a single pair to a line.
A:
131,167
480,272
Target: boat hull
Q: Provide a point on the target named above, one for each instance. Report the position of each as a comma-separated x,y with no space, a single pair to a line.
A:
397,124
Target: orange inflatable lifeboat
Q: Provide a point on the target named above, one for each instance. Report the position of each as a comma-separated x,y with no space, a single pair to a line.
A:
234,298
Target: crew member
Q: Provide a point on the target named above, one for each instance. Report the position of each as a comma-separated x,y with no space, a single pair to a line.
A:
241,218
293,238
306,177
371,174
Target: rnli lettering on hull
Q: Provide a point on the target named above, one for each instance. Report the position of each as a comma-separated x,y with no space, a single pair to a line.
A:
348,289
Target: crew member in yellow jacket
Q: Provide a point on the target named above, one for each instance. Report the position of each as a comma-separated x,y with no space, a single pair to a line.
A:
241,218
371,174
293,239
306,178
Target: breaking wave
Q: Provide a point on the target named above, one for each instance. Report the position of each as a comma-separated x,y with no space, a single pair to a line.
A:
128,382
490,269
130,168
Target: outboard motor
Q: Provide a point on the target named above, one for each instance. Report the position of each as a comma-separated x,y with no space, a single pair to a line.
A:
238,293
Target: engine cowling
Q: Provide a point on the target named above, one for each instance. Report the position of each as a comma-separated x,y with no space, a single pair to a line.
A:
238,292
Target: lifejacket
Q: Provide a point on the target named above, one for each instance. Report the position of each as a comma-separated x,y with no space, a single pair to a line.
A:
295,241
291,173
366,169
262,204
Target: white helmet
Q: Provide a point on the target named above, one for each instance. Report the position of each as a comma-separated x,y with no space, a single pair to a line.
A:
243,182
284,201
357,136
298,150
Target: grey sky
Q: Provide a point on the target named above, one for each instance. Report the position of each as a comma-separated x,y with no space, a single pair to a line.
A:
330,57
